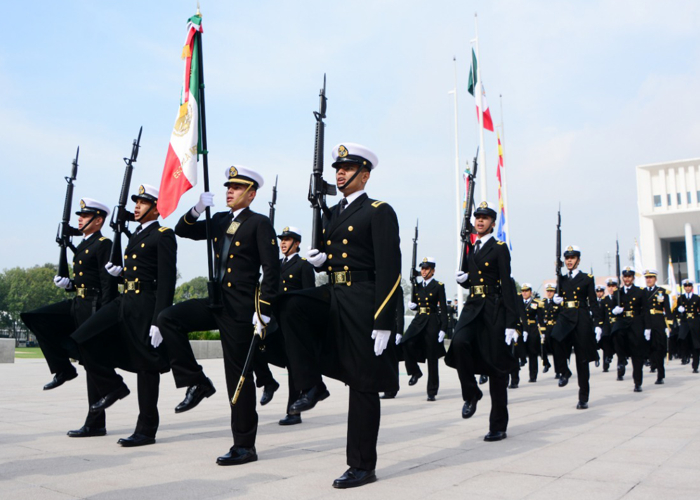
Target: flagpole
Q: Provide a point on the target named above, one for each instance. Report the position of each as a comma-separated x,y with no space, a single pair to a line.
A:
214,294
504,176
460,293
482,150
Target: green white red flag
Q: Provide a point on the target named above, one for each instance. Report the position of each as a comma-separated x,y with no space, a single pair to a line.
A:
477,90
180,171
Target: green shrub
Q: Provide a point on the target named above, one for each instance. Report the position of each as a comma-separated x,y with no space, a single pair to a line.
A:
209,335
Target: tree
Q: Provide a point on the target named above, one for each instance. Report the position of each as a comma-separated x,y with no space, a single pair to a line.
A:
194,289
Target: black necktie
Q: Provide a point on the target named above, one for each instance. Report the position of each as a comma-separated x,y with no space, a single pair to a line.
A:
343,205
284,261
571,275
477,246
138,229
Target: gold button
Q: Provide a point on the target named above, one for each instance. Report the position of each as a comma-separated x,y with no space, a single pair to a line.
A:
229,284
126,256
133,256
285,288
486,264
238,243
215,240
479,272
345,242
330,256
217,255
136,279
346,268
284,281
324,231
81,273
328,242
80,262
143,245
228,270
291,276
345,256
134,268
350,228
230,256
87,251
330,268
482,280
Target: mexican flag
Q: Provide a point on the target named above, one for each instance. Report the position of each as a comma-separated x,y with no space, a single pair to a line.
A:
180,171
477,90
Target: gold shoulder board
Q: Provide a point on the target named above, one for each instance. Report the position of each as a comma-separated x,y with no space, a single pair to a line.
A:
501,243
440,283
163,229
590,275
377,203
103,238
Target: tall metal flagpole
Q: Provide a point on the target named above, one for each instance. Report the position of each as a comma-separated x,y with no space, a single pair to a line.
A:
460,292
482,149
504,175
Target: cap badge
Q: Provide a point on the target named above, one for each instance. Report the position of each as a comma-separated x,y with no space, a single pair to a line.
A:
286,229
570,249
232,172
142,190
425,259
342,151
82,204
484,205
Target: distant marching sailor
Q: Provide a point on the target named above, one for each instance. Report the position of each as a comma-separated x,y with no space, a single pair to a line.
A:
659,308
688,314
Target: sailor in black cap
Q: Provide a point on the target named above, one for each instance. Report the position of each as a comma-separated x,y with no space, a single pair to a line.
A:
93,287
579,324
244,241
549,319
658,305
607,303
344,329
486,327
423,341
532,311
632,330
688,314
124,333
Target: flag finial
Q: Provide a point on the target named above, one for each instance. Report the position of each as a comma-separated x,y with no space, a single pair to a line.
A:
199,13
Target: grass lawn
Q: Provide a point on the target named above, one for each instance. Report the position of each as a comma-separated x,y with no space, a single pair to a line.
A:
28,352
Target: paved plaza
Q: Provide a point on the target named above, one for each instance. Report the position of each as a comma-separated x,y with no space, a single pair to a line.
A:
627,445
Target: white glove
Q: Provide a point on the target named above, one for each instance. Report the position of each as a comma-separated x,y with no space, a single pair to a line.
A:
259,325
381,339
681,309
558,299
441,336
598,333
156,337
398,338
206,199
668,332
647,334
617,310
525,336
61,282
511,335
461,277
412,306
113,270
315,257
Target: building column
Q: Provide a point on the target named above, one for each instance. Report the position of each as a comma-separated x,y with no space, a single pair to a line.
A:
690,251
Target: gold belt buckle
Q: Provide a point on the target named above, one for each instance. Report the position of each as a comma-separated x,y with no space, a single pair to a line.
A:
478,290
423,310
690,315
629,314
130,286
531,322
341,277
572,304
81,292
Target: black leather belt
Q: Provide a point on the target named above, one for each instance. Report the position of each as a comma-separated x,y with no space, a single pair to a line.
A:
87,293
424,310
137,286
484,290
349,277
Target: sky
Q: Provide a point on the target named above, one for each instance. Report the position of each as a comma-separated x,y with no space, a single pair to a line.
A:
590,90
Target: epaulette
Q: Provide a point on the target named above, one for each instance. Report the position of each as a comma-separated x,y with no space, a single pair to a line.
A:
164,229
590,275
501,242
377,203
103,238
440,283
303,258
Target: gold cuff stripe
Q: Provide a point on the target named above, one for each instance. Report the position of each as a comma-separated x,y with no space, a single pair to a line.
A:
396,285
186,221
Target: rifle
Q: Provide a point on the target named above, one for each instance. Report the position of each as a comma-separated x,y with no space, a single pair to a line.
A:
467,227
558,263
120,216
318,188
273,203
65,231
617,270
414,274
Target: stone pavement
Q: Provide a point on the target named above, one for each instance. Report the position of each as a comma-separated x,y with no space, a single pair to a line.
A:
627,445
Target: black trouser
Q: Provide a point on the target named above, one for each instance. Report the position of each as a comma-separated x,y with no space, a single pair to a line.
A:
637,369
658,353
192,315
52,325
412,367
620,348
685,347
624,350
515,377
606,345
304,328
562,353
263,375
696,358
498,382
532,362
672,346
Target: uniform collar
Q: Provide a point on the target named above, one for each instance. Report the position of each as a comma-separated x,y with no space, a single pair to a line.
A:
427,282
485,239
146,224
565,272
354,196
237,212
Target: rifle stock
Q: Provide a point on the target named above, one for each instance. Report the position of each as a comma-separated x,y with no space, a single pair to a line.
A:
467,227
120,216
273,202
65,231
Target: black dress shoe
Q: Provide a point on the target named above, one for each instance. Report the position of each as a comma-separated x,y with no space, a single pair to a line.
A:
136,440
469,407
557,376
388,395
483,379
291,420
637,388
431,397
269,392
546,368
413,381
308,399
532,380
563,381
582,405
620,372
110,399
659,381
495,436
238,455
86,431
513,385
354,477
59,379
597,363
195,394
523,361
606,366
695,370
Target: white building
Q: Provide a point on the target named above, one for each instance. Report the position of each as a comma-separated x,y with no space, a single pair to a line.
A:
668,198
